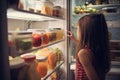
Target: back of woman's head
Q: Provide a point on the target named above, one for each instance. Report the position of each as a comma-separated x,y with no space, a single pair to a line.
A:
94,34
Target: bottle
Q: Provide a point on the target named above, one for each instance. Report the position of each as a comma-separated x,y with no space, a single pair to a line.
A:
98,2
31,73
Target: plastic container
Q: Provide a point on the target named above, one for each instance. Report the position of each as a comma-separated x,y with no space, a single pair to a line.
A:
16,66
59,34
41,58
57,11
45,38
22,4
31,72
22,40
47,7
28,57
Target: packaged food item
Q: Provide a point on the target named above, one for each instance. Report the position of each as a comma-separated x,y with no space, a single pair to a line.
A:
47,7
16,63
30,5
28,57
22,39
45,38
12,46
57,11
52,60
37,40
59,34
42,69
52,36
31,73
22,4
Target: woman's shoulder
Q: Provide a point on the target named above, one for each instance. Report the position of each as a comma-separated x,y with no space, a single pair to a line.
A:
84,53
85,57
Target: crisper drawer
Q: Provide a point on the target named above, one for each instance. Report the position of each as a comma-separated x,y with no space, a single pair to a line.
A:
115,50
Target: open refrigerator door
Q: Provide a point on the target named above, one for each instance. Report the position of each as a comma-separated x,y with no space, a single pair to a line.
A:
37,36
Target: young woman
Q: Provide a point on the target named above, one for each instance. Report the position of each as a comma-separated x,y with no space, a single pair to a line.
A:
92,55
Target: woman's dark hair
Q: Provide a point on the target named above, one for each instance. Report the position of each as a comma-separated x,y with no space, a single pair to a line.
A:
94,35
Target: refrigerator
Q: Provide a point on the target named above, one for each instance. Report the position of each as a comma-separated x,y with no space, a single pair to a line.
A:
13,18
113,23
16,19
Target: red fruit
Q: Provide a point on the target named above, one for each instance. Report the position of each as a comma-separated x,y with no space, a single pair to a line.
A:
37,40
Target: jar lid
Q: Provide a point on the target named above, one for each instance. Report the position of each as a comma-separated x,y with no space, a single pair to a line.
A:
16,63
28,57
41,58
58,7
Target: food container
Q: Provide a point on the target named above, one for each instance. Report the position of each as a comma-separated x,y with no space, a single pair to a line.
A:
45,38
47,7
36,37
51,35
22,4
41,58
30,5
57,11
16,66
38,6
56,34
22,40
59,34
31,73
12,46
28,57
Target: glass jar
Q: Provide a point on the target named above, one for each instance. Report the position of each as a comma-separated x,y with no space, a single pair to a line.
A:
57,11
22,39
12,46
31,63
47,7
38,6
30,5
22,4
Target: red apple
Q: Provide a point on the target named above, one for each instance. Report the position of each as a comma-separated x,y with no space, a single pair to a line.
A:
37,41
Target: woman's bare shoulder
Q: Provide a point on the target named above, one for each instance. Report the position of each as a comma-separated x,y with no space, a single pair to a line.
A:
84,52
84,56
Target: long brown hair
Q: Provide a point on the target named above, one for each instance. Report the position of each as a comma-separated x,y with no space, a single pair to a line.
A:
94,35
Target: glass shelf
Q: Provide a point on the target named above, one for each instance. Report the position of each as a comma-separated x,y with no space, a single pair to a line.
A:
26,15
52,71
105,5
43,46
108,16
